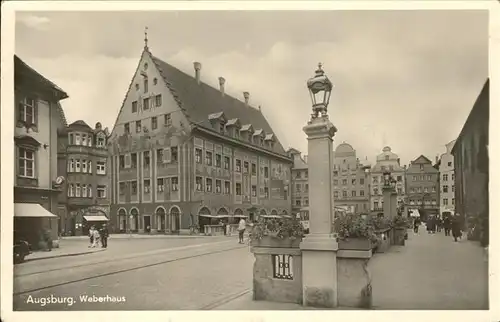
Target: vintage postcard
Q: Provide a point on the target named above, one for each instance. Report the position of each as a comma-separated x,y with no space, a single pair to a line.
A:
311,158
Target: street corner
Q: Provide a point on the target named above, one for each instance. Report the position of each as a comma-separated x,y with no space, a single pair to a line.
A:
61,253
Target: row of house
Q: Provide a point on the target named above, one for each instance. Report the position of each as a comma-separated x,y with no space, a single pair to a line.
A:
358,186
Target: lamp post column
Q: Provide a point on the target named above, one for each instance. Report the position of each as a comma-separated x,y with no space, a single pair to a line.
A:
319,247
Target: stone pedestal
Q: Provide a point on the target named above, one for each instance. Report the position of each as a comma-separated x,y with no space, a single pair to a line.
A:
390,203
319,259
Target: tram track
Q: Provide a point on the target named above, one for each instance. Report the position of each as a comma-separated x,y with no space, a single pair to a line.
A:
116,271
117,259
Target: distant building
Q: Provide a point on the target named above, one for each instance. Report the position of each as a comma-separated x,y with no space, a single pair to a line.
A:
350,180
300,183
83,160
471,159
447,180
38,117
422,186
184,153
386,161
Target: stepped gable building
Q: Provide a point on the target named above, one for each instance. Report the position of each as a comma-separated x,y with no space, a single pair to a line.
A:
350,180
38,117
83,160
446,166
422,186
184,153
386,161
300,183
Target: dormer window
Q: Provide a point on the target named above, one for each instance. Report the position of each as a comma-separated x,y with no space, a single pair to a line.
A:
247,132
233,126
269,140
258,137
218,121
101,140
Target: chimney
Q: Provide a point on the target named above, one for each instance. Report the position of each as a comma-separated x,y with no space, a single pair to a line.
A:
222,82
197,69
246,95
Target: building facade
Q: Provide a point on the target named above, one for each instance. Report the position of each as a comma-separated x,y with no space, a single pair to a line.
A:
471,159
83,160
300,184
184,153
386,161
38,117
350,180
422,186
447,180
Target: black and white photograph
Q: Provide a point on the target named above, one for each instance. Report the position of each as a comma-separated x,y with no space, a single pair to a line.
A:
247,160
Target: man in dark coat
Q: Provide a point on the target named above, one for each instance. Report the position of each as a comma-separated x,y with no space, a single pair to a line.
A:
447,225
104,236
456,227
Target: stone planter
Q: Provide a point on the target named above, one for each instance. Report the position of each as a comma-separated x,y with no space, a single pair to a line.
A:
276,242
399,236
355,244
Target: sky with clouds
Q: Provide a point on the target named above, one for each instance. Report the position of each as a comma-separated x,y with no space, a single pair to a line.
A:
407,79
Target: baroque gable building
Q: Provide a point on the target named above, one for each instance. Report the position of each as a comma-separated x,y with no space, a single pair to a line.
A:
183,153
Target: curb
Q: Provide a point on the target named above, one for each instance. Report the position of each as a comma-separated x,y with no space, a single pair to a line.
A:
225,300
63,255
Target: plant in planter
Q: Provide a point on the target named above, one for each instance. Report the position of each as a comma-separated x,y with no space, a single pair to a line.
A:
400,222
282,232
380,223
354,232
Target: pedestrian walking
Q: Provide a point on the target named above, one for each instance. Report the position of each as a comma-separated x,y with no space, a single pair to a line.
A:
91,236
447,225
416,224
456,228
242,225
97,238
104,234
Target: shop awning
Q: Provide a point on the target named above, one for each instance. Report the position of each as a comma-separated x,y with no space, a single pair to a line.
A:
96,218
32,210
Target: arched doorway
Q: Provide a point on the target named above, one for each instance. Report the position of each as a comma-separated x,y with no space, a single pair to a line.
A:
238,214
274,212
122,220
284,213
175,218
223,214
134,220
263,213
161,217
204,217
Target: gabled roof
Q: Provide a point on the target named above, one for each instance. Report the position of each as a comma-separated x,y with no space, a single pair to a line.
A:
247,127
258,132
198,100
422,157
80,123
269,137
215,116
235,122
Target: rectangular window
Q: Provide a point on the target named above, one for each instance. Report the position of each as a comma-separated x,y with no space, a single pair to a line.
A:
26,163
238,189
71,139
160,185
298,203
266,172
154,123
400,191
134,187
71,190
344,182
146,159
227,187
175,183
208,184
123,186
84,190
361,193
227,162
127,128
266,192
147,186
306,174
449,164
453,201
246,168
254,169
122,161
84,166
77,165
167,120
159,155
426,189
27,110
218,160
197,154
78,139
158,100
361,181
433,189
306,202
78,190
335,194
344,194
218,186
133,160
375,179
353,181
146,84
429,178
445,201
298,187
238,165
134,107
101,191
421,167
306,187
400,178
375,191
353,193
445,188
199,184
101,167
414,178
71,165
254,191
174,154
101,141
445,177
208,158
452,176
89,187
138,127
84,139
453,188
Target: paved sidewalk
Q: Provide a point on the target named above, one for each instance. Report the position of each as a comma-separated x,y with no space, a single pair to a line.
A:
149,236
64,250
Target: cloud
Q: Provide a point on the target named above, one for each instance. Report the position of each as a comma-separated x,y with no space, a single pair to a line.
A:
33,21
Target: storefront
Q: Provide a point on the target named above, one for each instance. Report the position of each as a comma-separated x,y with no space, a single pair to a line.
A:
31,220
85,218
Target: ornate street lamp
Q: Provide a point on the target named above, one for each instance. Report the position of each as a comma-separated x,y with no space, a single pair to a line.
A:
320,89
